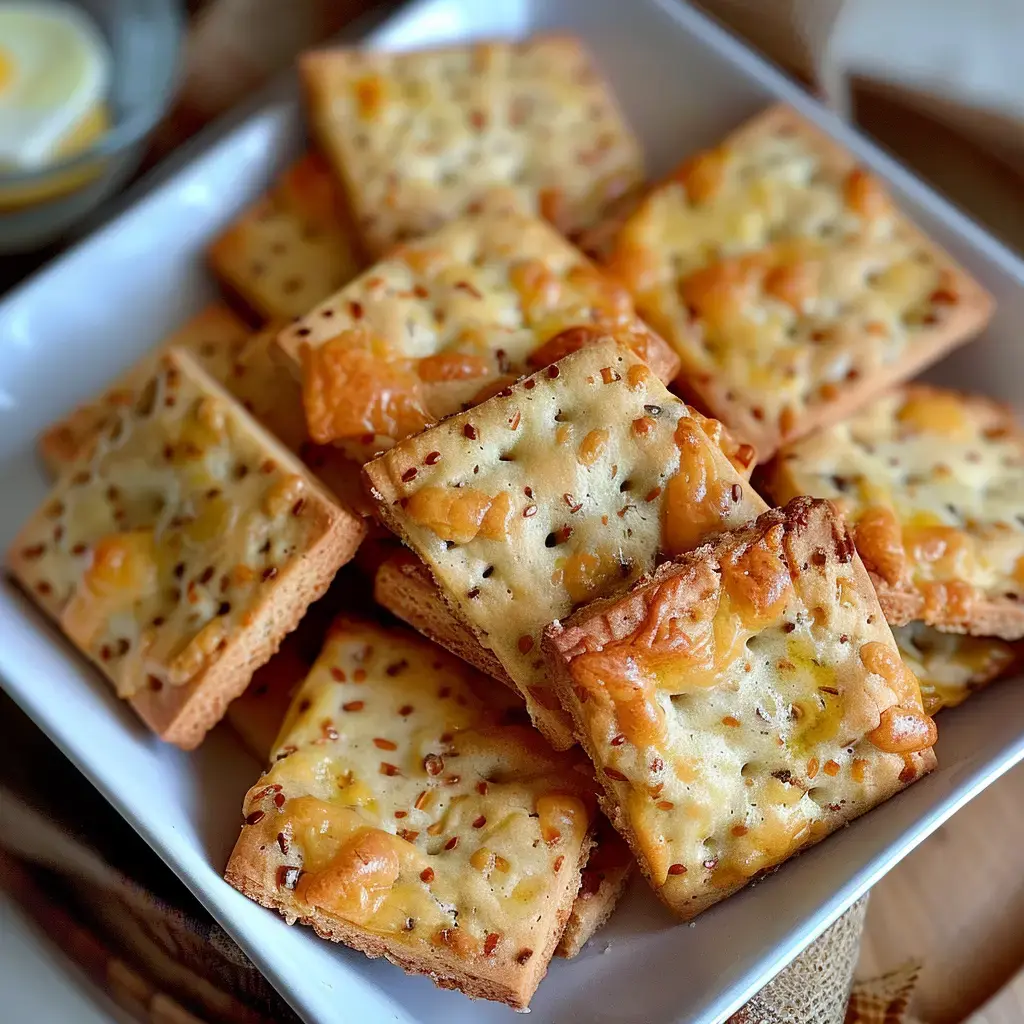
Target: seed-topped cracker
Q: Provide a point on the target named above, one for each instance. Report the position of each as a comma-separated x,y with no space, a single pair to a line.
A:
181,548
932,482
789,283
951,666
214,336
242,363
405,818
419,139
293,247
564,488
742,703
448,320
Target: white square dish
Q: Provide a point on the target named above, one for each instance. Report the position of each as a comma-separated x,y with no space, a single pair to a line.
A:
683,84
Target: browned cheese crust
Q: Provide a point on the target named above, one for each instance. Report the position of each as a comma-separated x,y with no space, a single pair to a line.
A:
448,320
789,283
561,489
181,548
402,817
932,482
742,703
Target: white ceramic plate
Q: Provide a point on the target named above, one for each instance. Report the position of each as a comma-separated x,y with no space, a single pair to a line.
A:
70,329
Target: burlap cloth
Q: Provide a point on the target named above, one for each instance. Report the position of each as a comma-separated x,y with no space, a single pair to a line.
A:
82,874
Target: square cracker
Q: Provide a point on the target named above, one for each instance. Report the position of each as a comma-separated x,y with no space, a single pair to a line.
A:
257,717
742,703
403,817
241,362
561,489
181,548
215,336
951,666
418,139
933,483
448,319
787,280
403,585
293,247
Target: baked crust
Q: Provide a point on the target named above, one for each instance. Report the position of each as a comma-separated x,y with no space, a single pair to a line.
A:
449,319
788,282
932,482
421,138
565,487
605,877
293,247
742,703
181,548
402,818
403,585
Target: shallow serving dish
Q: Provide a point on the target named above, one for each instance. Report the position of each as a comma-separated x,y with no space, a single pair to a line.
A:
683,83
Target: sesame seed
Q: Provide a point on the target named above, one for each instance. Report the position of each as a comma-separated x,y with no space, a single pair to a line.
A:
288,877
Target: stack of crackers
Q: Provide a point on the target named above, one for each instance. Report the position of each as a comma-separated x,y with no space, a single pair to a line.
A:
620,652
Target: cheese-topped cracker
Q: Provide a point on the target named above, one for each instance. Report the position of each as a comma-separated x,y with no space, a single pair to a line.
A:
241,362
449,319
933,482
420,138
788,281
402,817
291,248
950,666
743,703
215,337
562,489
181,548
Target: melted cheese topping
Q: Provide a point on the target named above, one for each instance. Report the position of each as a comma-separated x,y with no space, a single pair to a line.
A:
758,702
215,337
934,481
154,551
421,138
293,248
783,275
598,470
398,801
448,320
949,666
